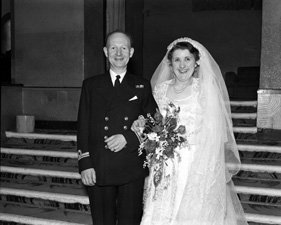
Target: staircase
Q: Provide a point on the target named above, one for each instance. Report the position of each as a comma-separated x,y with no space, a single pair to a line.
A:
39,180
40,183
259,181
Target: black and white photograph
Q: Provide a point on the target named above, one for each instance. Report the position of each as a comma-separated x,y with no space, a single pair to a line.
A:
140,112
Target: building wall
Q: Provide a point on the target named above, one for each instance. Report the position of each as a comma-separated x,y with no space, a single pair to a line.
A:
59,43
51,104
49,45
233,37
269,94
11,105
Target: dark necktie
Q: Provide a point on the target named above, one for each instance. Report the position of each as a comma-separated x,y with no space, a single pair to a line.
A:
117,81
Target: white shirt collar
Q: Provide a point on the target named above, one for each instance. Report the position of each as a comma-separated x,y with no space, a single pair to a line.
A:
113,75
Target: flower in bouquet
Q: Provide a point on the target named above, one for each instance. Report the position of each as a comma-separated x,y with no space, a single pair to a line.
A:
162,137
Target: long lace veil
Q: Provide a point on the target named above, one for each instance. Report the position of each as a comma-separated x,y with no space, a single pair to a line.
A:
217,158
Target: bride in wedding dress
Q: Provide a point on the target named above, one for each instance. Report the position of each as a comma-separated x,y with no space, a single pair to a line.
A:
199,190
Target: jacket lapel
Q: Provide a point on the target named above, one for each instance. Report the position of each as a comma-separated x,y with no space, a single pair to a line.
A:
125,91
105,88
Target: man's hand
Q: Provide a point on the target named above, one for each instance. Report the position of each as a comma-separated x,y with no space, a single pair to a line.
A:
88,177
116,142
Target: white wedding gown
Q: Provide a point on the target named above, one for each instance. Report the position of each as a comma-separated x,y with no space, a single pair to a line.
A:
178,201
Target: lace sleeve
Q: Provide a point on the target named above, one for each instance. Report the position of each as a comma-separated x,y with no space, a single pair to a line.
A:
159,91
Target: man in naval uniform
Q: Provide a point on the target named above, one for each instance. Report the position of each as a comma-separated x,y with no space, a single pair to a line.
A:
107,148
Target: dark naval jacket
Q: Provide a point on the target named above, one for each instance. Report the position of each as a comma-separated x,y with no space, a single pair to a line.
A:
105,111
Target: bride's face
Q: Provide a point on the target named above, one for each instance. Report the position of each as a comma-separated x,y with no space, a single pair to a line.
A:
183,64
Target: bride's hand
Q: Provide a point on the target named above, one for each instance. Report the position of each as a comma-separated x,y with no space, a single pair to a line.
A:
138,125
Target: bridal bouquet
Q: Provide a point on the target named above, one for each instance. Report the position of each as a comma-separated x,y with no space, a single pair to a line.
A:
161,138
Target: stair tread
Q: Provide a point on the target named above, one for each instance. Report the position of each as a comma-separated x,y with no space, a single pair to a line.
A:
243,109
252,139
243,122
40,144
39,148
258,175
257,182
261,209
260,199
46,187
52,131
250,202
259,144
261,161
46,213
60,166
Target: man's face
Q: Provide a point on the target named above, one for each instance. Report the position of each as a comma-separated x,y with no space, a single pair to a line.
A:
118,51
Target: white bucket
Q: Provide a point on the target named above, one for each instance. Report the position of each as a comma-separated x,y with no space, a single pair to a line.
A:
25,123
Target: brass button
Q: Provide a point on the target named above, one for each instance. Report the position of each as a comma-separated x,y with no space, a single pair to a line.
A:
105,137
125,127
106,118
106,147
106,127
126,118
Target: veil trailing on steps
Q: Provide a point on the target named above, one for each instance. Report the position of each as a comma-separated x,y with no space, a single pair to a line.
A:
209,189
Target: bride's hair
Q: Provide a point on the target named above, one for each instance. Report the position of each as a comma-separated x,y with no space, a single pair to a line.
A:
184,45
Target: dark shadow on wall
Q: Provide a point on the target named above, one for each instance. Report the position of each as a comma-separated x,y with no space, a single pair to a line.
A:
244,84
6,49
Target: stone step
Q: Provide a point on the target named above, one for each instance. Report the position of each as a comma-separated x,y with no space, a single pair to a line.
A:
37,135
257,184
259,199
44,204
256,162
267,211
272,212
272,147
253,219
247,138
59,168
244,103
243,109
46,187
261,159
264,180
30,169
260,154
72,137
39,144
246,179
244,123
248,130
52,164
258,219
39,152
251,116
45,192
258,191
40,162
22,214
46,199
49,190
36,179
257,151
61,151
